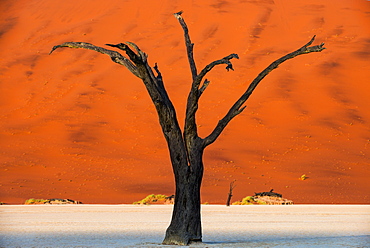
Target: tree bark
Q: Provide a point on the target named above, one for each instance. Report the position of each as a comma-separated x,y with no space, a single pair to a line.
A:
185,225
186,149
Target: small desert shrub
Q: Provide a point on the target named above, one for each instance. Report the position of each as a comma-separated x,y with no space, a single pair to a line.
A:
35,201
303,177
151,199
249,200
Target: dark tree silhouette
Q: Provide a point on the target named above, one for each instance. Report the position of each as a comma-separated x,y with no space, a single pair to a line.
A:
185,148
230,194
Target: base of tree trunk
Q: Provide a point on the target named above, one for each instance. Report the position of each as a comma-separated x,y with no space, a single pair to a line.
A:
179,236
186,224
176,240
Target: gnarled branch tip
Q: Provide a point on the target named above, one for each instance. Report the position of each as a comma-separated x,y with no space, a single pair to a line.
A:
229,67
311,41
178,14
53,49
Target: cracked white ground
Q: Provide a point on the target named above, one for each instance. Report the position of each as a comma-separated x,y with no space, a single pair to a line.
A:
144,226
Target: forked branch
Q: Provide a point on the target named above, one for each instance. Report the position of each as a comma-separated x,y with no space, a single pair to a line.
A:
210,66
190,129
238,107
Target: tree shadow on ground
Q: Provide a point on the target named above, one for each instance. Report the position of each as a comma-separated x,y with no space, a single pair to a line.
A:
309,241
153,239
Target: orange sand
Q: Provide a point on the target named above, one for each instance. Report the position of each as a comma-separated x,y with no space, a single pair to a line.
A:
75,125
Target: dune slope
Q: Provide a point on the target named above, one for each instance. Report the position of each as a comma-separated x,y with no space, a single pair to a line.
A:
75,125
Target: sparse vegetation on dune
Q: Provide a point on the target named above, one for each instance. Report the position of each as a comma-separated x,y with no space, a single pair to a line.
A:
35,201
249,200
303,177
264,198
51,201
155,199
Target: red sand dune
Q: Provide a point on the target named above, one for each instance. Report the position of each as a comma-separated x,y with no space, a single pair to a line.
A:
75,125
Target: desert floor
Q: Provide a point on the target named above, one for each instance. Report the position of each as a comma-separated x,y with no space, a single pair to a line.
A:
144,226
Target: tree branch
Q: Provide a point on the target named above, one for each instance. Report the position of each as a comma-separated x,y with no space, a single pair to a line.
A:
189,45
139,67
159,75
210,66
196,92
138,57
237,108
203,87
137,64
115,56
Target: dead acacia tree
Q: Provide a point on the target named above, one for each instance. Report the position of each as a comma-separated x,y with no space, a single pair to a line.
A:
230,194
186,148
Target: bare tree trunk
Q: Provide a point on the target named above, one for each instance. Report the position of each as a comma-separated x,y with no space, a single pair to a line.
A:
186,225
